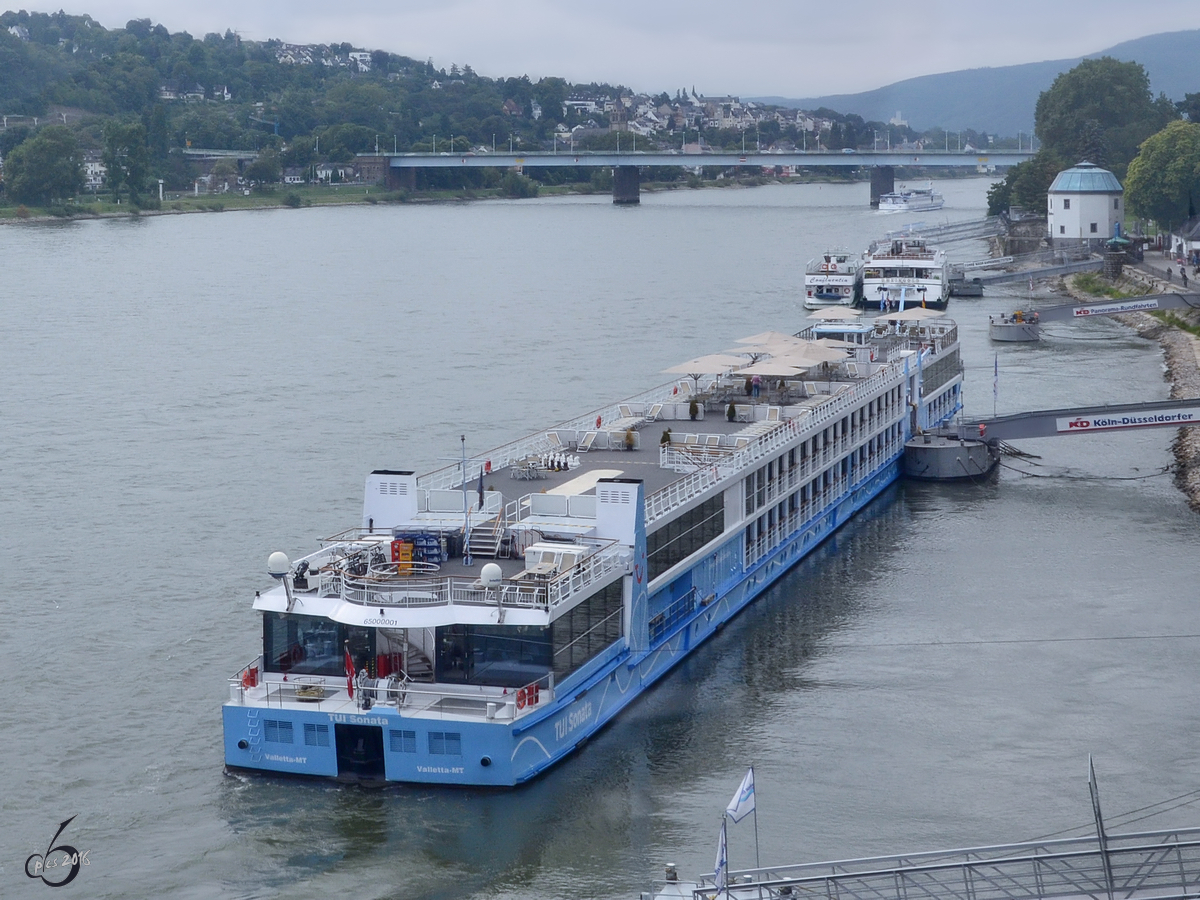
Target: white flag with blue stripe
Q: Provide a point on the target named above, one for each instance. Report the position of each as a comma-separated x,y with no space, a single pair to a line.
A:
742,803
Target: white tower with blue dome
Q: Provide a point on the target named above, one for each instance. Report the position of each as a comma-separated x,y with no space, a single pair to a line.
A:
1083,204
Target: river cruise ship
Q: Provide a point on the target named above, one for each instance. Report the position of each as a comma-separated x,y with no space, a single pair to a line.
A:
903,272
911,200
482,620
832,279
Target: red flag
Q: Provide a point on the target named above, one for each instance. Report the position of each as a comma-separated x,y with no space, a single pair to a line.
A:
349,672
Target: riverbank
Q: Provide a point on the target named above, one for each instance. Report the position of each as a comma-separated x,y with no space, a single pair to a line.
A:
1181,352
303,196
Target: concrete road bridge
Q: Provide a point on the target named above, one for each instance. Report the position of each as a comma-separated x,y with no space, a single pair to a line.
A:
400,168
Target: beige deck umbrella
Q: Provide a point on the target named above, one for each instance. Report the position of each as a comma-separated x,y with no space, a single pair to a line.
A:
766,337
914,314
835,342
778,367
712,364
831,313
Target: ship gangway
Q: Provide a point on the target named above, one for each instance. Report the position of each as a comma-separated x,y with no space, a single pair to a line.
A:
971,449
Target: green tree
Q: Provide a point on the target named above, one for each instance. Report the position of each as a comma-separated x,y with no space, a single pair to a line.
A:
1025,184
1189,107
266,168
45,167
1101,110
1164,179
126,158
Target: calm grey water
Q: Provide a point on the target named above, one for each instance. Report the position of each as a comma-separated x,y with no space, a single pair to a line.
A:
183,395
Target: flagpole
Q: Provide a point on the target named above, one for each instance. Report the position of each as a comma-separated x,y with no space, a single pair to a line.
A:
725,842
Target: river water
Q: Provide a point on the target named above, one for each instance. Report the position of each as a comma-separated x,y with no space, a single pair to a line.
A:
184,394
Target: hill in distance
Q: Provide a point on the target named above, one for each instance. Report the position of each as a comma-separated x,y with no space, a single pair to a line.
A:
1002,99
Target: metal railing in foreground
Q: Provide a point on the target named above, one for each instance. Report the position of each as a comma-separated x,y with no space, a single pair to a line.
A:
1163,865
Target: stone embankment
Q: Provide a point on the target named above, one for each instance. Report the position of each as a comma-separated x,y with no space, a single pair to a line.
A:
1182,356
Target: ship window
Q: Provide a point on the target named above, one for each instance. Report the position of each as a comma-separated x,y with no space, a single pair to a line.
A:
277,731
516,655
402,741
311,645
445,743
316,735
693,529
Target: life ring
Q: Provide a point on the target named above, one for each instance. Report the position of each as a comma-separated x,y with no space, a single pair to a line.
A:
521,698
846,291
824,267
246,679
833,267
597,421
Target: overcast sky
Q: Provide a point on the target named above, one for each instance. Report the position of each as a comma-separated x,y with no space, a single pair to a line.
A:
791,48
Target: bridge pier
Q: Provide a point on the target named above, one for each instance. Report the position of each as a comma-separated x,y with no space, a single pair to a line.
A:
401,179
883,181
626,186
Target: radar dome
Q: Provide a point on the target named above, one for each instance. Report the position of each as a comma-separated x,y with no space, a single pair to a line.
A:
491,575
278,564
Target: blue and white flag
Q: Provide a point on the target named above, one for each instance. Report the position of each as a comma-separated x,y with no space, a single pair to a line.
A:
742,803
996,381
722,867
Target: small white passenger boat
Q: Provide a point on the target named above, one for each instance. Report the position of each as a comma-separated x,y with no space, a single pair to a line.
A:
911,200
832,279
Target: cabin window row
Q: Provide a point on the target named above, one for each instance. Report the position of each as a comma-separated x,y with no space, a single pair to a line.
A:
679,538
768,482
783,519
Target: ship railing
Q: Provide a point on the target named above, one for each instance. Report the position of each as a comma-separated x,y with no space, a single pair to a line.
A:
589,571
417,592
1163,865
458,701
452,476
420,589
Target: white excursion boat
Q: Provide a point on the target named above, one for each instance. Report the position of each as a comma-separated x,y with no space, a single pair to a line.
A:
833,279
911,200
484,619
904,272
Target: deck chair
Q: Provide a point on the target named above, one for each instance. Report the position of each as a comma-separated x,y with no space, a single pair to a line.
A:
654,413
685,388
690,441
773,413
740,442
555,441
810,388
625,411
712,440
852,369
585,444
